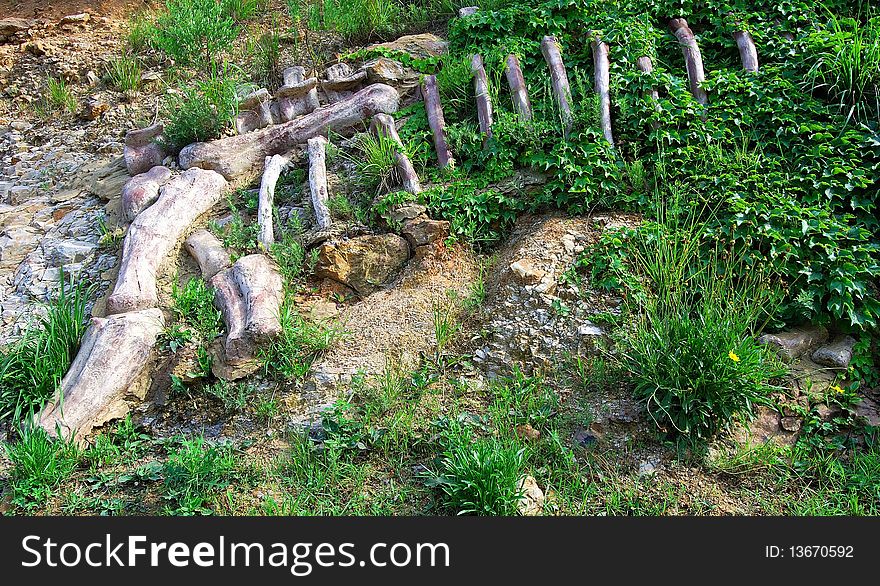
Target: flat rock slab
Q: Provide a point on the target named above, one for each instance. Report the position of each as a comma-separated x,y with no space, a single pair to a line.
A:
420,46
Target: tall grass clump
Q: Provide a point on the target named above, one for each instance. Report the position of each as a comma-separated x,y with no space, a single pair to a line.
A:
194,31
479,476
202,110
355,20
140,31
59,96
846,65
124,73
242,10
375,161
31,369
692,351
39,465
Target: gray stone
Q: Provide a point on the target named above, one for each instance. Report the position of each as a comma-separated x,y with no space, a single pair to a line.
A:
590,330
108,180
837,354
21,193
648,467
793,344
868,410
64,252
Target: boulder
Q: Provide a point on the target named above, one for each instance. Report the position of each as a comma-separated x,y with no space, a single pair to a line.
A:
837,354
108,180
142,150
422,231
384,70
420,46
526,272
364,263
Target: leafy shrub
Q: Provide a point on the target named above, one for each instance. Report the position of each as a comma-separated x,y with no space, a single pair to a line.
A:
477,212
787,178
31,369
194,304
692,351
194,31
203,110
194,472
39,465
479,476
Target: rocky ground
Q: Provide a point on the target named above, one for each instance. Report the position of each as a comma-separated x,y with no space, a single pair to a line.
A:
56,169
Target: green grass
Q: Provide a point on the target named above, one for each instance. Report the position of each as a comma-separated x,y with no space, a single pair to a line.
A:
193,31
194,473
291,354
479,476
31,369
846,65
140,31
692,352
446,326
235,396
374,161
59,96
193,304
39,465
124,73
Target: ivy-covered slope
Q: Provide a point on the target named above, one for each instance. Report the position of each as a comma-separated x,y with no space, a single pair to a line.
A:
784,162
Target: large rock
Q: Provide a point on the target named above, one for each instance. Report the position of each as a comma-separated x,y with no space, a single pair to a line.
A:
792,345
12,25
420,46
837,354
364,263
388,71
422,231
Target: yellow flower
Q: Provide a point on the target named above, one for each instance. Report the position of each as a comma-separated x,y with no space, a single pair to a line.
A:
836,388
732,355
